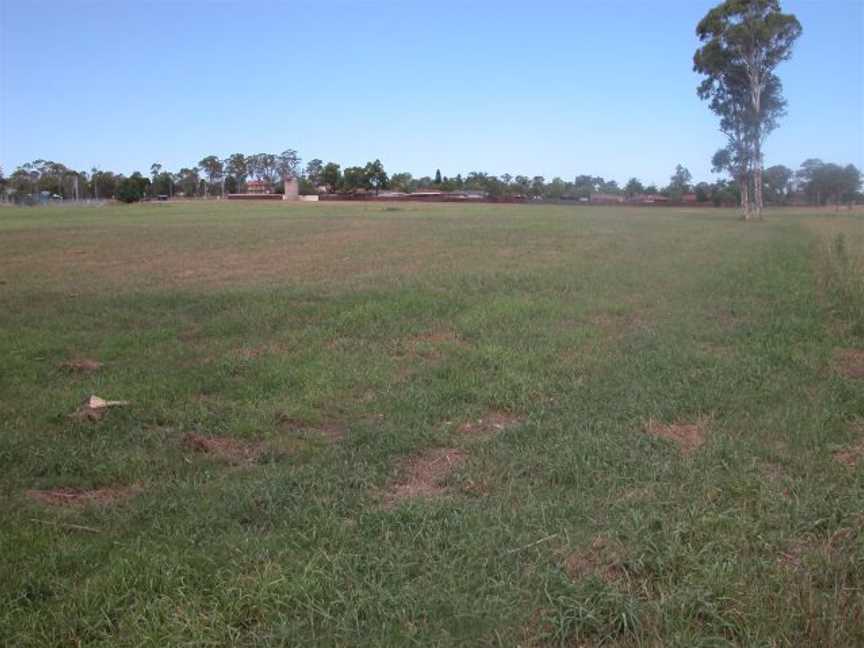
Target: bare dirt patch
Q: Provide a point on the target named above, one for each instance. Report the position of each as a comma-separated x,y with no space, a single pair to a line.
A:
797,552
428,345
849,362
851,455
717,350
331,431
81,365
81,497
618,324
639,494
260,351
224,448
491,424
602,559
423,475
689,437
427,349
793,556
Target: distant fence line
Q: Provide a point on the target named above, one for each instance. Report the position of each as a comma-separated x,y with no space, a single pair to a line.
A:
29,201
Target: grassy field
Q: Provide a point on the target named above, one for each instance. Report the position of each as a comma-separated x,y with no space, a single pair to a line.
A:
431,425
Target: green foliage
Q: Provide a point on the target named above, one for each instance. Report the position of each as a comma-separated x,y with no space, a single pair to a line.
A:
237,167
331,176
374,176
778,179
212,167
828,182
132,189
188,182
402,182
314,172
163,184
353,178
288,164
634,187
306,187
743,42
679,183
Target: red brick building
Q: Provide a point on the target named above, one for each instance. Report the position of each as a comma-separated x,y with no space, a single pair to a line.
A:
259,187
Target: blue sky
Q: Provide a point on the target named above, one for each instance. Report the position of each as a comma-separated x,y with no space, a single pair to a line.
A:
551,88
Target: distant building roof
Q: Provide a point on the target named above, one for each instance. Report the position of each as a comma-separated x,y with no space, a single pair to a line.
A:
606,198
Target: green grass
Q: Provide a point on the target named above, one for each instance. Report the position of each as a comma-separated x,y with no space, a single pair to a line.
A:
397,326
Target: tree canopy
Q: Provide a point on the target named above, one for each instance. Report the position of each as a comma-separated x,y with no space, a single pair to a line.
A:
743,42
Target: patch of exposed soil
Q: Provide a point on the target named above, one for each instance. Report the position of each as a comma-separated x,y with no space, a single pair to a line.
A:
688,436
225,448
476,487
849,362
717,350
634,494
251,353
771,472
427,345
331,431
81,497
795,555
618,324
423,475
850,456
601,559
255,352
491,424
81,365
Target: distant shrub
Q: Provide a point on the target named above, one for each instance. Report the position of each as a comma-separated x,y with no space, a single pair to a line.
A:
131,189
306,188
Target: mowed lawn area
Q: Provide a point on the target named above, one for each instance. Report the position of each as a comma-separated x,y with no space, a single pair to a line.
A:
432,425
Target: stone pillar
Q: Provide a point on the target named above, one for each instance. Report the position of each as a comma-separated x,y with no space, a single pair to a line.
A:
291,189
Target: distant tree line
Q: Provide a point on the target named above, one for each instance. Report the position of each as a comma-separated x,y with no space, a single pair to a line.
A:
212,176
815,183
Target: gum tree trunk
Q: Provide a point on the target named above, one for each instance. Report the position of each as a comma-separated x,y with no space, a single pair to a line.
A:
757,183
744,189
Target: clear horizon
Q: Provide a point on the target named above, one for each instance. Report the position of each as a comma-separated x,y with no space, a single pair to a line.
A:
560,90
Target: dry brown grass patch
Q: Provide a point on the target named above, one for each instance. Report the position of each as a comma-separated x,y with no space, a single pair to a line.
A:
331,431
642,494
849,362
81,365
717,350
428,345
795,556
491,424
689,437
630,315
602,559
853,454
225,448
423,475
81,497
